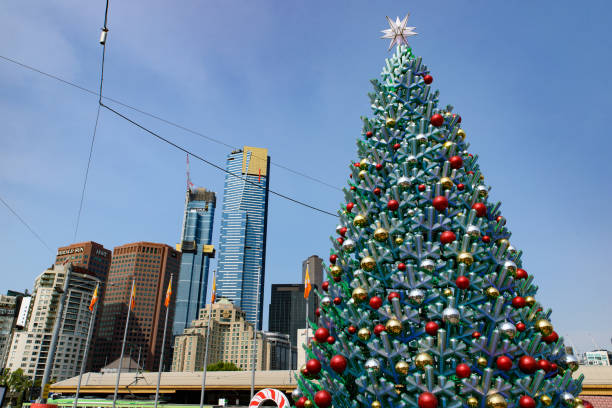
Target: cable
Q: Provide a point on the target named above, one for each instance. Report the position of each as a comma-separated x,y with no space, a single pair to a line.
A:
213,164
168,122
26,224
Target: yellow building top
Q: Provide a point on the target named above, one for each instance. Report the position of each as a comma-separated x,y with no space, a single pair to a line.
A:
258,162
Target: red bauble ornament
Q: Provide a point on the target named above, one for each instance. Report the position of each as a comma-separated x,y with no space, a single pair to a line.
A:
401,266
342,231
437,120
527,402
333,258
499,218
475,335
340,240
396,146
375,302
422,187
455,162
427,400
393,295
463,370
317,312
521,274
393,205
551,338
349,207
486,239
300,402
553,367
379,166
369,133
331,340
447,237
325,286
352,329
353,189
520,326
480,208
544,365
379,328
357,164
528,364
323,399
376,191
440,203
518,302
462,282
321,334
587,404
431,328
428,79
458,117
338,363
460,186
504,363
337,278
337,300
313,366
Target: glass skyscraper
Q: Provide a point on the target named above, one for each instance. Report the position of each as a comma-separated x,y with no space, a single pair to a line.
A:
242,244
192,282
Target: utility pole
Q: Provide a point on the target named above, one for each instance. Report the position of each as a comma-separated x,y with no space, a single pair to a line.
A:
207,342
254,356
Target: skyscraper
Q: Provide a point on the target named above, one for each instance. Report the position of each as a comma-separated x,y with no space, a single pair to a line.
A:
315,270
288,309
242,244
197,250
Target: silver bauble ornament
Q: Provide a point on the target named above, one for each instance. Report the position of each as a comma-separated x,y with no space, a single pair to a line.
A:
511,250
510,267
507,329
404,182
348,245
410,212
372,365
421,139
416,296
411,160
296,394
473,231
428,264
571,361
482,191
451,315
326,301
568,399
338,228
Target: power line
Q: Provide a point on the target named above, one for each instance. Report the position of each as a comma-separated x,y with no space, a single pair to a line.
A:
159,118
26,224
213,164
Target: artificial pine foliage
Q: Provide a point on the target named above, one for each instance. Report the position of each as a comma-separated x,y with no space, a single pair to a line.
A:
427,303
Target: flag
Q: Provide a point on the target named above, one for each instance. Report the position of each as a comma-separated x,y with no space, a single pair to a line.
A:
214,291
133,297
94,299
168,293
307,286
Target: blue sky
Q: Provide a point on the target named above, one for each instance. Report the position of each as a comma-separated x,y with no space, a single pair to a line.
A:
530,79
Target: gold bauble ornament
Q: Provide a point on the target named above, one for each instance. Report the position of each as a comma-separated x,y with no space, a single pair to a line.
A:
362,174
363,164
530,300
399,388
364,333
368,264
422,360
393,326
481,361
579,405
492,292
399,240
472,402
402,367
461,133
446,182
375,404
496,401
544,327
546,400
578,400
360,220
448,144
502,241
308,404
359,294
381,234
481,178
335,270
465,258
390,122
447,292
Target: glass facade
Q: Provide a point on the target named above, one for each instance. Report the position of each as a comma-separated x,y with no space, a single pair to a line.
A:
192,282
242,243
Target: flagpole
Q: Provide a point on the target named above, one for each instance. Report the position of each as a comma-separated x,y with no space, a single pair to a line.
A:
127,323
89,335
212,300
161,358
254,356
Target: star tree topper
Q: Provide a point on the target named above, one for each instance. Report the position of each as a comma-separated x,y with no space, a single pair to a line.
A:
398,31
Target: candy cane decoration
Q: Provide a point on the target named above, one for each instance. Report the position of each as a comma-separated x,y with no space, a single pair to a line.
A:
270,394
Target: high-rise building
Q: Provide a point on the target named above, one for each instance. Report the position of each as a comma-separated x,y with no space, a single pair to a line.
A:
315,270
197,250
231,340
288,309
598,357
9,308
150,266
242,243
30,346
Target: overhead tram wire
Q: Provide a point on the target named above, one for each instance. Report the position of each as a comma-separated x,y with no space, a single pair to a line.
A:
152,133
93,136
156,117
26,224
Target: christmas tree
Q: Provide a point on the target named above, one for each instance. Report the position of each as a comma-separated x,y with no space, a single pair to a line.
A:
427,303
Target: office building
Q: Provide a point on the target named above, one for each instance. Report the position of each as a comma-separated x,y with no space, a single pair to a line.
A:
287,311
9,309
196,237
315,270
30,346
231,340
303,339
242,242
149,265
278,346
598,358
